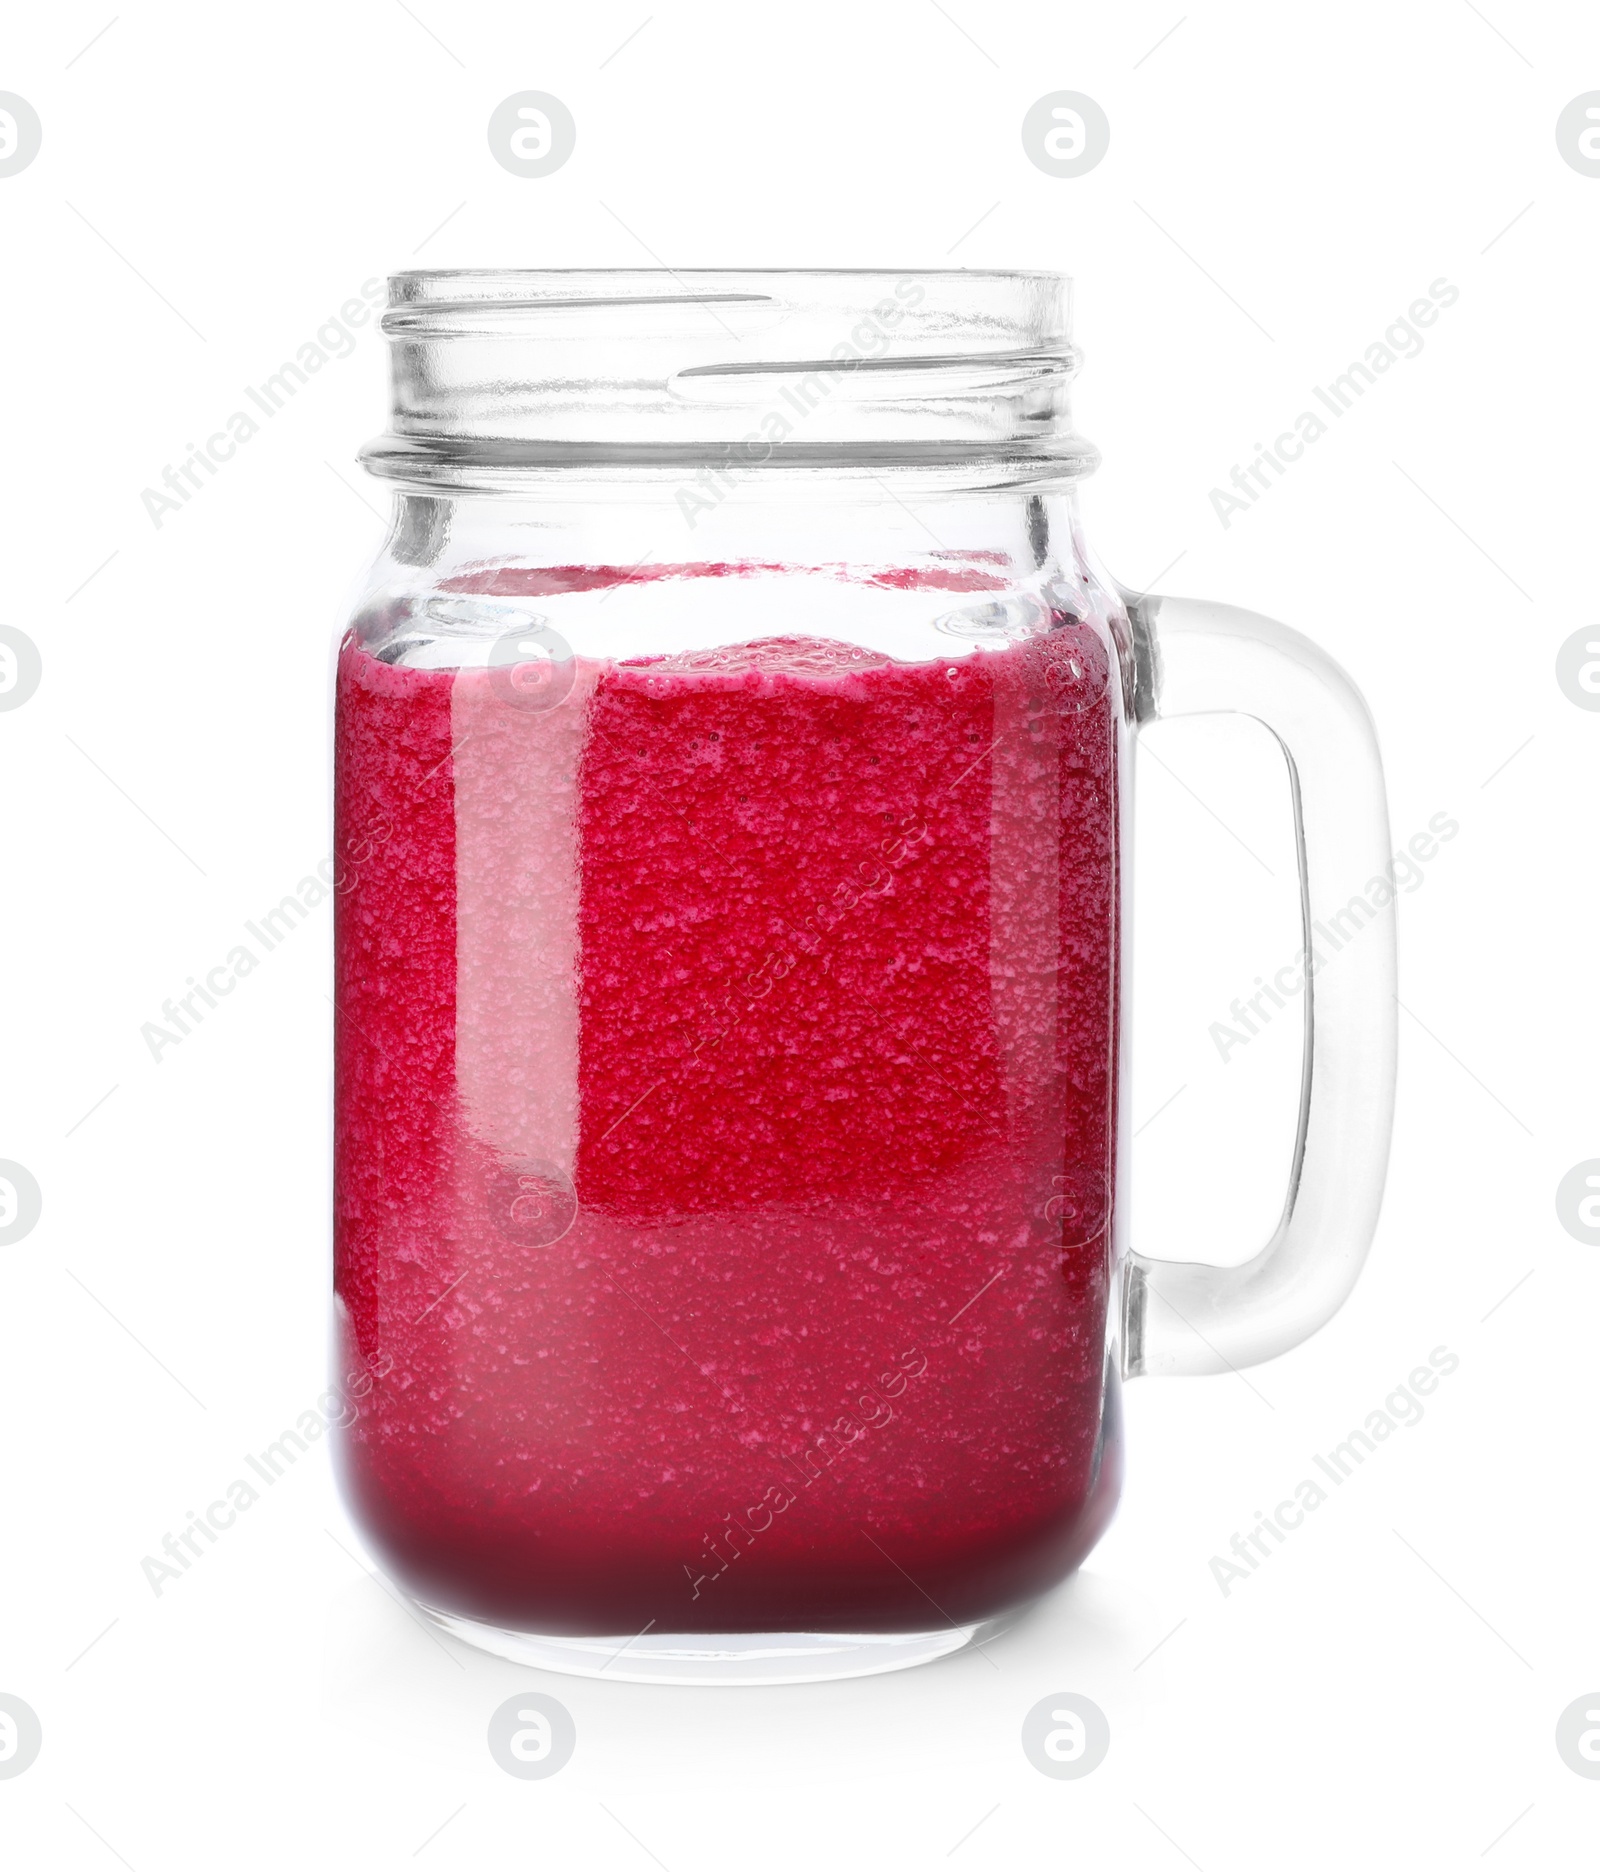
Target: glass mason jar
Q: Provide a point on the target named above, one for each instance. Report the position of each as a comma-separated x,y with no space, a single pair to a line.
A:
733,779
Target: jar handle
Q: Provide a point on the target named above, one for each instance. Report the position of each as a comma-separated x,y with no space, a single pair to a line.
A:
1185,1317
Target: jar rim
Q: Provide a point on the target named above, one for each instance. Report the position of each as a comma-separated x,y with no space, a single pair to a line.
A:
783,366
417,276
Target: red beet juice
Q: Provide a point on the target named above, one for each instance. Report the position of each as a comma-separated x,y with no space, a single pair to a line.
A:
726,1074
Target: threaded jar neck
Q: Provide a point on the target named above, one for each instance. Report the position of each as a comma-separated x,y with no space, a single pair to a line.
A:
499,375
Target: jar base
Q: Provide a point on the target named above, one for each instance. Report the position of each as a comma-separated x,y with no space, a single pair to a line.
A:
721,1658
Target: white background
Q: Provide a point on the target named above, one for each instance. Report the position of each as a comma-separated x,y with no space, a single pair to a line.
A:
1282,182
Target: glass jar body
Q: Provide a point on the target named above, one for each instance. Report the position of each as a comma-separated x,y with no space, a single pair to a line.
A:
729,989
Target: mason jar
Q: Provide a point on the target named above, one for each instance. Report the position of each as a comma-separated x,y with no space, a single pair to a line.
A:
733,803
